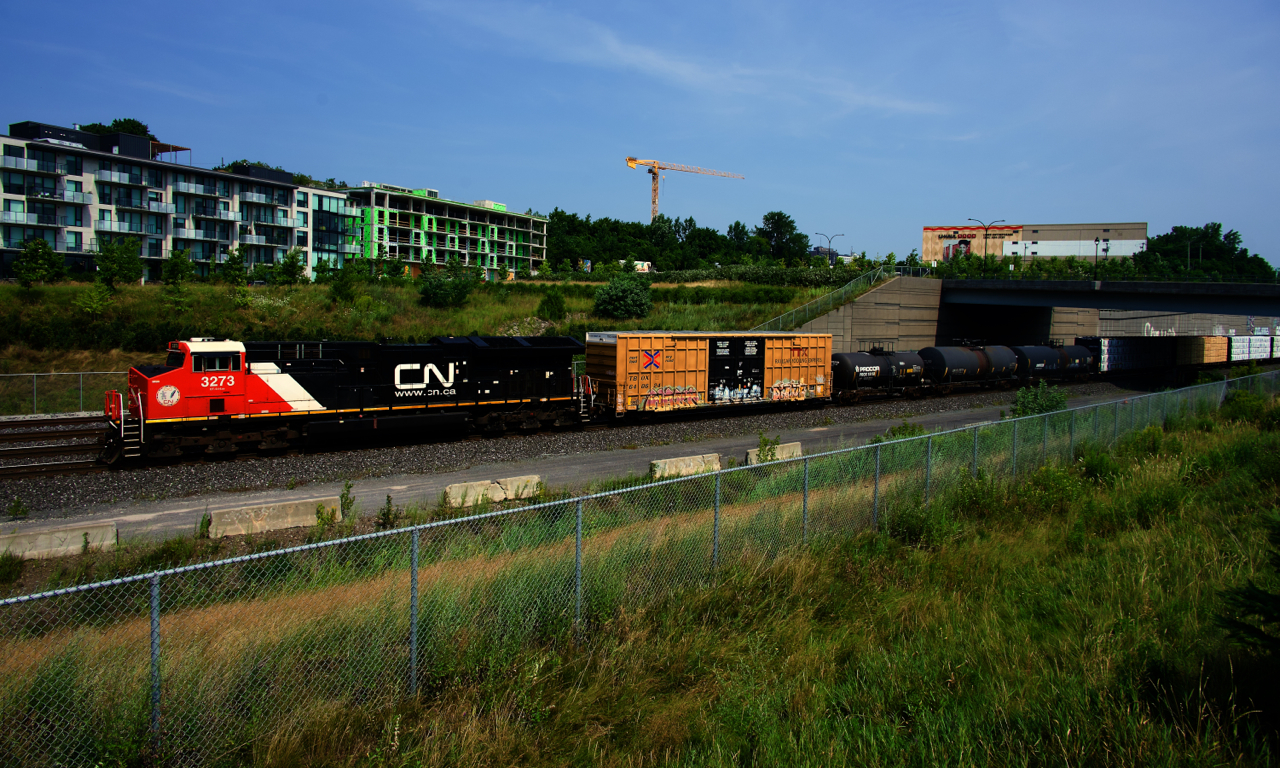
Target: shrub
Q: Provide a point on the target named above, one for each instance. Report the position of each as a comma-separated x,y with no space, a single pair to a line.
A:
1146,442
900,432
1242,405
622,298
447,288
1095,463
10,567
1253,613
552,306
1039,399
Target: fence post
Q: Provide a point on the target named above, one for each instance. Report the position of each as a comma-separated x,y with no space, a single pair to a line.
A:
715,529
875,495
34,408
1015,449
155,663
413,616
928,468
82,393
577,570
805,532
1044,450
973,468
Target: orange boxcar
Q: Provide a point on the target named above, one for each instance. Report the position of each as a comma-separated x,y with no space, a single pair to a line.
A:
671,370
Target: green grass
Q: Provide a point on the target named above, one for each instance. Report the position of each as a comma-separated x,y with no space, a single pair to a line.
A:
1068,617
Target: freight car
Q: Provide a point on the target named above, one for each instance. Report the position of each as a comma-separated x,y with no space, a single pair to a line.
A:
219,397
640,372
948,367
877,369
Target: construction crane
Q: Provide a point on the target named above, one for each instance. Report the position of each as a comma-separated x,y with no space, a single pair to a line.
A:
655,166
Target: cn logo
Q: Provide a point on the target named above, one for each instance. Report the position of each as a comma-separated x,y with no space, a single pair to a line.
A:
431,369
652,360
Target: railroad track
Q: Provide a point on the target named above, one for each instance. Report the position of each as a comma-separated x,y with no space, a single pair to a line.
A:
50,469
56,421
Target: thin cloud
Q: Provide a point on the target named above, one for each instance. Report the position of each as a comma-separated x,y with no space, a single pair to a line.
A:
571,39
181,92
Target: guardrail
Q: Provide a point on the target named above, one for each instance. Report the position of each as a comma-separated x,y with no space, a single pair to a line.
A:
824,304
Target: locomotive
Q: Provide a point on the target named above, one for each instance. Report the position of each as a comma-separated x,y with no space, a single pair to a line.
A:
220,396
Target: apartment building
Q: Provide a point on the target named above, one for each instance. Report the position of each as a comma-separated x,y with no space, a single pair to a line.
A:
79,191
1029,241
419,228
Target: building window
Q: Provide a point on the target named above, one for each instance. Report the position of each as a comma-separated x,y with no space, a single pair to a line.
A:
302,218
75,216
302,200
1106,230
13,150
75,165
302,239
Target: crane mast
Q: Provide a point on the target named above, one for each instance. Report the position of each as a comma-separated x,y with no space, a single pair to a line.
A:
655,167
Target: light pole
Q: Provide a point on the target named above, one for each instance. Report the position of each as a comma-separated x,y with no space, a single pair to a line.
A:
829,239
986,227
1096,242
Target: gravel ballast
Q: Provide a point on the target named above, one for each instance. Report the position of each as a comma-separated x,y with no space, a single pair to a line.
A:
54,496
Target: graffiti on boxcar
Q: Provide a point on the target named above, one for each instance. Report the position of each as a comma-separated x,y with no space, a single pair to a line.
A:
787,389
668,398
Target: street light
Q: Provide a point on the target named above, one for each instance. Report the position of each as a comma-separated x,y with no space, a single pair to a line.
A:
986,227
1096,242
829,239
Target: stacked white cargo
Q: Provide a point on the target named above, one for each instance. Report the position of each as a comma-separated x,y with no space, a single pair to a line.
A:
1250,348
1275,346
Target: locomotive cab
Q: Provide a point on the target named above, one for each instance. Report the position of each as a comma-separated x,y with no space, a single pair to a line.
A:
199,378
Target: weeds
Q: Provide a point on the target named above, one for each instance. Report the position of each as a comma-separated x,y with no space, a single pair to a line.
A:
10,567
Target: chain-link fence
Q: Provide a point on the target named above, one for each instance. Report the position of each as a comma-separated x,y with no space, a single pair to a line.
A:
193,665
23,393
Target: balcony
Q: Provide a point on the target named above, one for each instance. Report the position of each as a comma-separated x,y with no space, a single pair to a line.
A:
35,219
270,222
344,248
62,246
117,226
116,177
195,189
67,196
195,234
37,166
254,197
215,213
253,239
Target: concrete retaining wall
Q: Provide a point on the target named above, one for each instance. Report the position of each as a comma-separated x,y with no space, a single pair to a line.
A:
270,517
785,451
60,542
684,465
903,310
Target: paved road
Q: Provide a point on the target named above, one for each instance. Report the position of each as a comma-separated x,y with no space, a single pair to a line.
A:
158,519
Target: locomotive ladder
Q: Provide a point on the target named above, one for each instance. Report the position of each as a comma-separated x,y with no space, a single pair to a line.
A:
130,438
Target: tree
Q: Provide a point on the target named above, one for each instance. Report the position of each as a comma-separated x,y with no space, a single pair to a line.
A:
786,243
1205,252
623,297
233,268
38,263
121,125
178,268
93,301
291,270
119,262
449,287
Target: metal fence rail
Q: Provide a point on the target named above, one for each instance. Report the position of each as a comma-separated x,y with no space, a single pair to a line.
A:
192,664
823,304
23,393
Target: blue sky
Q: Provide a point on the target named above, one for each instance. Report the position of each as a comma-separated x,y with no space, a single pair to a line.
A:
871,119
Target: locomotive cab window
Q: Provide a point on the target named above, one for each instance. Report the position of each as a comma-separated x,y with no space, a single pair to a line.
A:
175,359
215,363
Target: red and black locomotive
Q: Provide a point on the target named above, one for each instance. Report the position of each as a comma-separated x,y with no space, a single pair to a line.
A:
212,396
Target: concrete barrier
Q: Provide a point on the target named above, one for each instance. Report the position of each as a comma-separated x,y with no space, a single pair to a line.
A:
270,517
522,487
60,542
469,494
785,451
684,465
